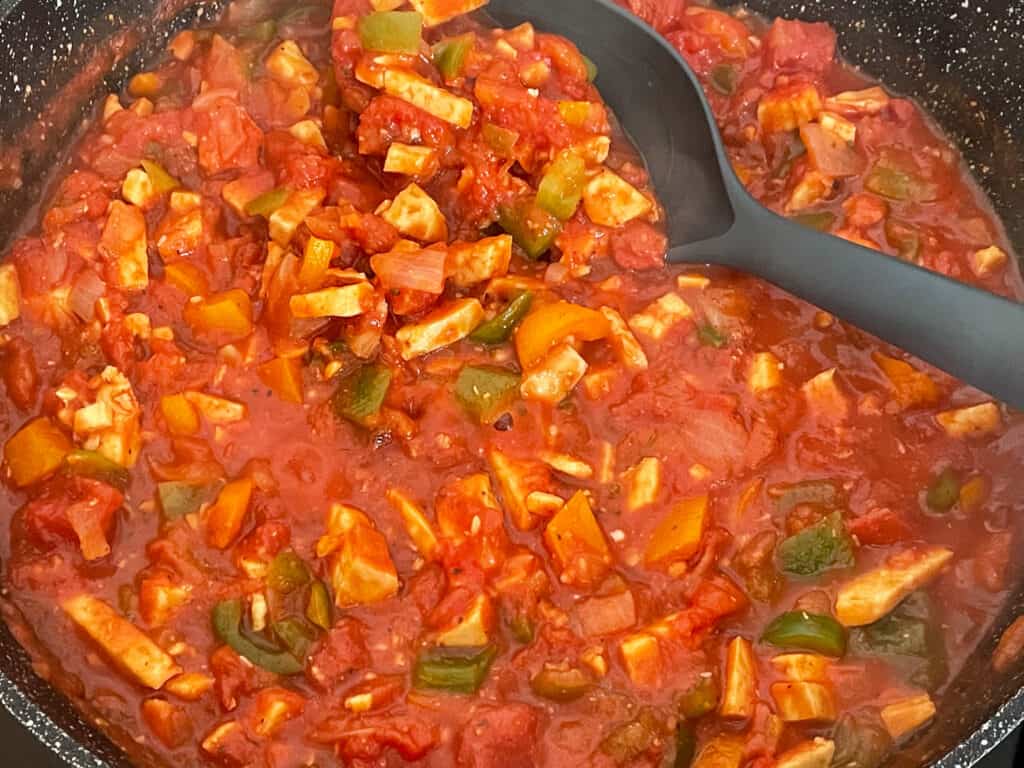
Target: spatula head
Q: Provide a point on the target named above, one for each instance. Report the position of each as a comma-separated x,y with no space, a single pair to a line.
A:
656,98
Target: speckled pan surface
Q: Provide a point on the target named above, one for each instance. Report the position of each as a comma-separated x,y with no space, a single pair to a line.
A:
961,58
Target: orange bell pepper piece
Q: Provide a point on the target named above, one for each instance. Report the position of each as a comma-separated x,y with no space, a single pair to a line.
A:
551,324
187,278
224,518
316,259
181,416
36,451
577,543
226,316
284,376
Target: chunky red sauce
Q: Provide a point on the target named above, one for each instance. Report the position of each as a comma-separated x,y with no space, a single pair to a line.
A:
353,418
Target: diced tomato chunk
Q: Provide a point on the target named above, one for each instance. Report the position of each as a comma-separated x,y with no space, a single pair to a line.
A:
499,736
639,246
388,120
799,46
78,510
228,137
880,526
342,651
663,15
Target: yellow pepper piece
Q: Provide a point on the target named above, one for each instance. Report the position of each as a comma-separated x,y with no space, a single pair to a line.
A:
678,536
227,315
36,451
187,278
740,691
224,519
315,261
551,324
180,415
577,543
284,376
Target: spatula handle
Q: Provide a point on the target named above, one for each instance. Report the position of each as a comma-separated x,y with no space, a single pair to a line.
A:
974,335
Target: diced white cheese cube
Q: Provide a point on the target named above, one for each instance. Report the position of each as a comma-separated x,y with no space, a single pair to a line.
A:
422,93
442,327
309,133
611,201
415,214
624,342
342,301
10,295
567,464
659,318
825,398
285,220
288,65
988,261
972,421
873,594
643,483
217,410
472,263
409,160
765,373
439,11
137,188
554,377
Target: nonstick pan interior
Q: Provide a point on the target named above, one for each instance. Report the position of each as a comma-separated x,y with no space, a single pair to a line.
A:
960,60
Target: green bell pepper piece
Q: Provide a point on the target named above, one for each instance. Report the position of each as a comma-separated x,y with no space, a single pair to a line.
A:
560,684
485,391
287,572
861,741
178,499
724,78
532,228
318,609
821,220
296,635
161,180
904,238
391,31
96,466
561,189
709,336
909,639
267,203
499,328
450,55
630,740
260,32
501,140
888,180
700,699
816,549
944,491
460,670
591,68
227,617
360,394
806,631
522,628
686,745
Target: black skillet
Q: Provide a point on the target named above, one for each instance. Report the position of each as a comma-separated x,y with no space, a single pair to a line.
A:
963,63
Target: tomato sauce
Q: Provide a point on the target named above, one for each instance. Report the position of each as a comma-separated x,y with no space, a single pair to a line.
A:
352,416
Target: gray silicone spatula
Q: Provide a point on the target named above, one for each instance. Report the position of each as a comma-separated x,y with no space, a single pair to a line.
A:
971,334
